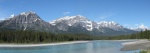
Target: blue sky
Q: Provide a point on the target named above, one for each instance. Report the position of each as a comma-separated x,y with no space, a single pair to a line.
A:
129,13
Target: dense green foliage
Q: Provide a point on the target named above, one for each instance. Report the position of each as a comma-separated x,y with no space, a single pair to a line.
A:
141,35
19,36
143,52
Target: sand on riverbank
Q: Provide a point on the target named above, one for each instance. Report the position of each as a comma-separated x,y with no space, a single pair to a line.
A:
136,45
46,44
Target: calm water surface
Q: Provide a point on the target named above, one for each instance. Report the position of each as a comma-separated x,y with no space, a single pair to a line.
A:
103,46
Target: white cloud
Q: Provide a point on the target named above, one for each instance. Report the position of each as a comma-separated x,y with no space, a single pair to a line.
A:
66,13
138,27
4,14
142,26
2,18
12,15
135,26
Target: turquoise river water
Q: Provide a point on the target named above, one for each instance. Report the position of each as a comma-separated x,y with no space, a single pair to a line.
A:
102,46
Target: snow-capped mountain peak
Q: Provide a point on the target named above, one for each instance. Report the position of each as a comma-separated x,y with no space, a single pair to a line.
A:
86,23
68,24
25,21
74,20
27,13
143,26
112,25
69,19
30,12
106,23
12,15
79,17
140,27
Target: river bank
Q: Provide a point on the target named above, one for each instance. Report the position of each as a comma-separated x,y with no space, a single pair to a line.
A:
46,44
141,44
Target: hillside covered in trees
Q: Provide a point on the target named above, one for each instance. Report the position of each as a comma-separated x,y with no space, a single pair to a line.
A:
19,36
141,35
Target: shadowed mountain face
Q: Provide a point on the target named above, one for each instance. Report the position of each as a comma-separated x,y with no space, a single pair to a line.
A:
25,21
67,24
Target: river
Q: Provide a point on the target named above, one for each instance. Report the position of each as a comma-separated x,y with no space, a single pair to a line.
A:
100,46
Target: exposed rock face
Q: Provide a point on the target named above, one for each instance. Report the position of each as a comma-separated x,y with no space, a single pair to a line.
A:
25,21
67,24
80,23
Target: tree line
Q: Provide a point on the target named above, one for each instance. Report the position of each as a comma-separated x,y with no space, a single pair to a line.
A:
19,36
140,35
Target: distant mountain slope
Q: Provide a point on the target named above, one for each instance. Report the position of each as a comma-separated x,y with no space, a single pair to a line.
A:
80,24
25,21
142,27
68,24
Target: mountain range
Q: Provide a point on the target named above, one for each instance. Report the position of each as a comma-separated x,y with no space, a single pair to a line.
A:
141,27
68,24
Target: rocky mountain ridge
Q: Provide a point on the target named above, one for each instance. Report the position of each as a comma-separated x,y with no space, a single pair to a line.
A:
68,24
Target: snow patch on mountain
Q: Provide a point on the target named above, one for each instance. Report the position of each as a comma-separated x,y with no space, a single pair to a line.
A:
36,20
71,20
13,15
27,13
86,23
67,24
25,21
89,25
112,25
141,27
8,18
